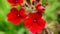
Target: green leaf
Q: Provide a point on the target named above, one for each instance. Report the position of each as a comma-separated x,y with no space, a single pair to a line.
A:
5,6
19,25
23,31
2,15
18,7
1,32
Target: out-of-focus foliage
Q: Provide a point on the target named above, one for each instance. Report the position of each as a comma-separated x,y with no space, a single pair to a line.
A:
51,10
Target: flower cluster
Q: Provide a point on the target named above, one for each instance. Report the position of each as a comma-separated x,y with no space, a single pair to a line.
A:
33,20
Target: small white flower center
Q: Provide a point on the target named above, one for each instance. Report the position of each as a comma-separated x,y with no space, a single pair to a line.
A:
16,0
35,20
18,15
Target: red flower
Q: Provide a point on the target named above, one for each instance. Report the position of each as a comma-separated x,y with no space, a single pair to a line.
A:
40,8
34,23
15,2
16,16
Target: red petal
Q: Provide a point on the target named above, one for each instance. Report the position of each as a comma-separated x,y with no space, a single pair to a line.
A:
21,2
14,10
15,21
42,23
27,22
34,27
38,5
40,8
13,2
11,16
22,12
35,15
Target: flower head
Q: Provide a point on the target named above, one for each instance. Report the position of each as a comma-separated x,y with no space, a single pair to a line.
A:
16,16
34,23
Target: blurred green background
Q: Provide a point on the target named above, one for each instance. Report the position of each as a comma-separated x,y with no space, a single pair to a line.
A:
51,15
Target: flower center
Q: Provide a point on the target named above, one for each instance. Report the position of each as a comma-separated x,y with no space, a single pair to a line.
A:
18,15
15,1
34,20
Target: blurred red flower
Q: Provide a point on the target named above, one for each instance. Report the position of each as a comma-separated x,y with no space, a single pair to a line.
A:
40,8
16,16
34,23
15,2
